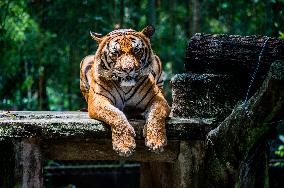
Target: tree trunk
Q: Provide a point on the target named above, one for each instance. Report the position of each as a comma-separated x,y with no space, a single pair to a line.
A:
113,14
151,18
276,7
196,19
121,12
136,18
268,20
42,95
29,92
187,22
171,39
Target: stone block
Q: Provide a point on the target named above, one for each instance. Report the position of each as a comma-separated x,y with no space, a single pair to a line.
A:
209,96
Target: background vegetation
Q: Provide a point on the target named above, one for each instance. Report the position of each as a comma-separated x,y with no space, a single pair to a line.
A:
43,41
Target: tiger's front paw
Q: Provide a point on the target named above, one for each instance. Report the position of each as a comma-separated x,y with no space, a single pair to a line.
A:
156,138
123,141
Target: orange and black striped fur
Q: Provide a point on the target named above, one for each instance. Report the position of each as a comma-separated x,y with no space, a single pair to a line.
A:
126,76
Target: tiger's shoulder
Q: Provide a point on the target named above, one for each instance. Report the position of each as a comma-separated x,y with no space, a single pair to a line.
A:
157,71
86,66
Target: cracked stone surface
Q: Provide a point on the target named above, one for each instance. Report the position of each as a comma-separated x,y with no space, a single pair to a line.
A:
45,125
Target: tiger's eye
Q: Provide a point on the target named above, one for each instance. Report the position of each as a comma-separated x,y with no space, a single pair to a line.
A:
115,53
103,66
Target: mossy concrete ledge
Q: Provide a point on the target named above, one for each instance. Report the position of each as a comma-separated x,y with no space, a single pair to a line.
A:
29,138
77,125
74,136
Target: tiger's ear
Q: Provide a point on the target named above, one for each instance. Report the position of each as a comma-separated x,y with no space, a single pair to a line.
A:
96,36
148,31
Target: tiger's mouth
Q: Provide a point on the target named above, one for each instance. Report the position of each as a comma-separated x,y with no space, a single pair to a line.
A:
127,81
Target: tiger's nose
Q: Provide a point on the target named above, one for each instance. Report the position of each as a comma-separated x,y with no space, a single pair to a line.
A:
127,66
127,69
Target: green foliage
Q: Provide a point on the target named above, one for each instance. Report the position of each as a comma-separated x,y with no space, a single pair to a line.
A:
43,42
281,35
280,151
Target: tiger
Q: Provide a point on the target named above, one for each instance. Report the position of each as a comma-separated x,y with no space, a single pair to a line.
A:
124,76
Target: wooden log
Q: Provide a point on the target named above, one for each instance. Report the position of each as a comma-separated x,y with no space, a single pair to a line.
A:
231,54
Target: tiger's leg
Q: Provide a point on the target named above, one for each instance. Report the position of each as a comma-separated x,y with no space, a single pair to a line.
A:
123,134
154,129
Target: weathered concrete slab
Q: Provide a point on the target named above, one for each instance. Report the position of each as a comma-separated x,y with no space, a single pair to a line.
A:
94,149
205,95
35,136
28,164
184,172
234,55
52,125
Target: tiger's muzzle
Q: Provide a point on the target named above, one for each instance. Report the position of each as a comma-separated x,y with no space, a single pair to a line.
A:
127,69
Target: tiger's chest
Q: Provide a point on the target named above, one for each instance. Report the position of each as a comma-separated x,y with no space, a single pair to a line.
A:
134,106
139,96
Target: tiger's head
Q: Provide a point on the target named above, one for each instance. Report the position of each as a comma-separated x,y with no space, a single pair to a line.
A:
124,54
